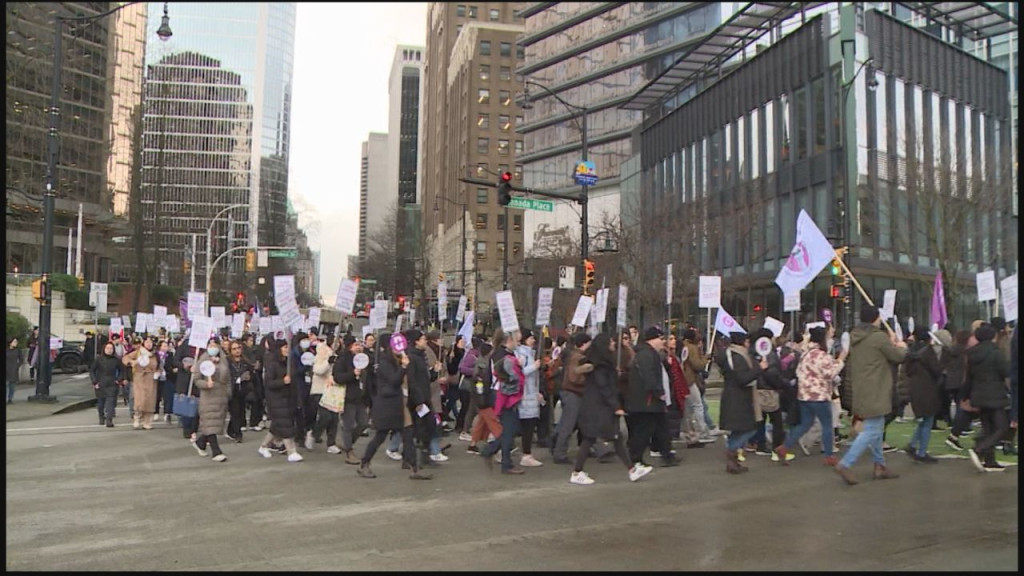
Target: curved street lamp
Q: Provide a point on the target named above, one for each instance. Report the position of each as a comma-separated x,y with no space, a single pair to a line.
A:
49,197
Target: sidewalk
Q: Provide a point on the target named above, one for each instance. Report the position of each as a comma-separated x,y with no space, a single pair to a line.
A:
73,392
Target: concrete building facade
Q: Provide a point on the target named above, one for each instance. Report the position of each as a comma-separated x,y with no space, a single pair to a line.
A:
375,198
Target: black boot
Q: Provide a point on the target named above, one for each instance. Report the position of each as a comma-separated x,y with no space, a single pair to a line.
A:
101,419
110,422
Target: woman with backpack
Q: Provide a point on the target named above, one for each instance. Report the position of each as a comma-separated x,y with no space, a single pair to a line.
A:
510,382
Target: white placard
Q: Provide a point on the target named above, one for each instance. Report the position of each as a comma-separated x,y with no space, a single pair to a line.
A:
442,301
159,313
379,315
207,368
888,304
314,318
896,328
56,343
237,325
602,304
266,325
116,325
412,317
774,325
140,323
398,322
346,299
710,292
791,302
360,361
126,321
545,296
668,284
1009,288
507,311
171,324
202,328
620,316
196,304
284,289
461,312
844,342
579,318
986,285
567,277
217,314
276,324
763,346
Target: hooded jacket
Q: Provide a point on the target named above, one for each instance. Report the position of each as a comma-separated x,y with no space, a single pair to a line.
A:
106,371
738,392
530,405
923,374
870,370
987,371
321,369
280,396
645,381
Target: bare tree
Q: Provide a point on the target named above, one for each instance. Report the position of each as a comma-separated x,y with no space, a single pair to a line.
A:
392,261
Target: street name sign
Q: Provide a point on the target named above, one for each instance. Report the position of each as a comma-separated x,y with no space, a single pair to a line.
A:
531,204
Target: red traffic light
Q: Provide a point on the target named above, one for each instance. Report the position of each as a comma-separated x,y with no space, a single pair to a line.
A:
506,176
757,307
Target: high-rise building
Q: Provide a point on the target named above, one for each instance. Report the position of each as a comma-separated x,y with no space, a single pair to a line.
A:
217,131
471,118
375,200
101,64
405,90
594,57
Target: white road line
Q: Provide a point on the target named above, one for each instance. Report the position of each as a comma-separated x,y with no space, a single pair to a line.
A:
81,376
9,430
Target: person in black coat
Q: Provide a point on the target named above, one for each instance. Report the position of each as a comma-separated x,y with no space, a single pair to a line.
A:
254,399
646,399
986,390
419,376
772,381
281,400
15,359
105,373
354,417
923,371
181,369
302,377
600,410
738,414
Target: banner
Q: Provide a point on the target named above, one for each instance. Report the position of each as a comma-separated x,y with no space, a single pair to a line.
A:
986,285
710,292
726,324
1009,287
938,309
810,254
620,315
346,298
507,311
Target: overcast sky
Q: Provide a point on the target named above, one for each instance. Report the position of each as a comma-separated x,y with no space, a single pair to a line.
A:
343,55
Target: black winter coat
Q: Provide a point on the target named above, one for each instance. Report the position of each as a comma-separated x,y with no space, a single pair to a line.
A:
419,379
387,410
15,359
600,400
645,381
182,374
923,374
280,397
954,366
344,374
737,407
106,371
987,371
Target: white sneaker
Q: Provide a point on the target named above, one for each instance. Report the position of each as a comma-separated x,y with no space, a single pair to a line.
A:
638,471
465,437
707,440
264,452
333,450
220,458
256,428
655,454
295,457
804,449
529,461
438,457
490,437
309,440
202,452
580,478
393,455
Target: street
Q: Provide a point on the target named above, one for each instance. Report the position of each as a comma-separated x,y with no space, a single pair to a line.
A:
83,497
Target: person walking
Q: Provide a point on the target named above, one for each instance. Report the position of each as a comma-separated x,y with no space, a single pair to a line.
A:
571,395
213,400
181,367
484,396
106,371
923,375
529,407
954,368
508,377
647,398
355,416
873,354
164,381
281,399
241,385
424,393
815,375
986,392
144,365
694,369
14,361
600,410
89,349
255,398
740,410
467,406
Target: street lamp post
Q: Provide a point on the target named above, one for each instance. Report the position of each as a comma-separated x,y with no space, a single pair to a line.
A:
462,270
49,197
209,247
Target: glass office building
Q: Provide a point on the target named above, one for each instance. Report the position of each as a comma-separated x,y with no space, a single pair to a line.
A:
217,125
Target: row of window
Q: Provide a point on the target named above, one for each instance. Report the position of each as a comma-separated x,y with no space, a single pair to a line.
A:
483,170
504,73
481,221
483,96
483,146
494,14
504,50
483,121
481,248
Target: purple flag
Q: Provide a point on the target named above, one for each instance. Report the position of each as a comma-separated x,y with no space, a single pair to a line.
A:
183,309
938,315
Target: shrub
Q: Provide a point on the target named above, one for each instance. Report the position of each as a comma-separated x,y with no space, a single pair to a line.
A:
17,327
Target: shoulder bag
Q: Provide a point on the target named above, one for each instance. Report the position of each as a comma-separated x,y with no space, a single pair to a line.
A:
186,405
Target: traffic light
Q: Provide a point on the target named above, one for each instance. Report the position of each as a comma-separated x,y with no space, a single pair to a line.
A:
39,289
240,297
81,282
250,260
588,275
837,267
837,291
505,189
401,302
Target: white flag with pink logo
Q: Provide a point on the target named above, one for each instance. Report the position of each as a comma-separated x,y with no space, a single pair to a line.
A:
811,253
725,324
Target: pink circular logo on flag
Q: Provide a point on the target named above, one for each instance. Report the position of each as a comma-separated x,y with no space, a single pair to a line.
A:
728,321
799,259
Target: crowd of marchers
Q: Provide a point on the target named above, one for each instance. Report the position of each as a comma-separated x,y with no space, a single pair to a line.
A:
633,397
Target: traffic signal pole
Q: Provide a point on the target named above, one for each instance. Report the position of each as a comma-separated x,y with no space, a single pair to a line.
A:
504,253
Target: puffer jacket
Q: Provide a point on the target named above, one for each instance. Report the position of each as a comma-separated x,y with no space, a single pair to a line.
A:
870,370
321,369
530,405
106,371
987,370
214,396
280,396
923,376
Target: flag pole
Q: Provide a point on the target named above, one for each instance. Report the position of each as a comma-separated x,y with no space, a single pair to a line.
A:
860,289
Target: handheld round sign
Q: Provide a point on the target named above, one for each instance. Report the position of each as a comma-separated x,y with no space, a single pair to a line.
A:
685,354
556,353
307,358
910,324
844,341
360,361
143,360
826,315
398,342
206,368
763,347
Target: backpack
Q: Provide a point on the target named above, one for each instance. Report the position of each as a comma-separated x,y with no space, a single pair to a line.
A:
507,383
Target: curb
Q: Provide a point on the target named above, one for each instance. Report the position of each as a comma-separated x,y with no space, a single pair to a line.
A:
76,406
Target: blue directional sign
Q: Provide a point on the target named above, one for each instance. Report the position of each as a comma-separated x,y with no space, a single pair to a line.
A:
585,174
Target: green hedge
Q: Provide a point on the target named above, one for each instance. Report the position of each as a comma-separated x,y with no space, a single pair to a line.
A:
17,327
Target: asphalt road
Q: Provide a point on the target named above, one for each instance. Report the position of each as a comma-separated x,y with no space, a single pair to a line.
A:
83,497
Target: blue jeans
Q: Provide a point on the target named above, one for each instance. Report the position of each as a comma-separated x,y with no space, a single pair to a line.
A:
869,439
922,434
808,412
509,419
394,442
737,440
10,390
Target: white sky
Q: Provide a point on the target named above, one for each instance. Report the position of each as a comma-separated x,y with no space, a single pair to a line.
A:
343,55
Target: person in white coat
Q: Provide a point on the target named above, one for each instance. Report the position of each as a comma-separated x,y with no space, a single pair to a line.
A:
529,407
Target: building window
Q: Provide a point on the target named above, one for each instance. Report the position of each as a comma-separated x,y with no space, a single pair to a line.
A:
495,14
481,195
505,97
481,221
482,145
501,221
516,247
460,10
517,222
519,146
482,169
472,11
503,147
505,73
485,47
481,250
483,121
501,247
506,49
520,53
485,72
483,96
503,122
519,120
518,174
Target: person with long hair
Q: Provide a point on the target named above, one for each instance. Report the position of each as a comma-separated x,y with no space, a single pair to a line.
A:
600,410
923,373
144,364
739,409
529,407
14,361
104,375
281,399
508,377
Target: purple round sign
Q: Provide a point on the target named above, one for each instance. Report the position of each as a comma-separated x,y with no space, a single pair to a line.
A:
398,343
826,315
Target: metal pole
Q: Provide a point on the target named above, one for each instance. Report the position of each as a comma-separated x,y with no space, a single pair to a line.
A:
847,20
584,197
462,274
209,255
192,267
45,305
504,259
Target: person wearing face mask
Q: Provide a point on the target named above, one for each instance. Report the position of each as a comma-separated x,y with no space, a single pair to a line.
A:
144,365
213,400
354,417
241,386
106,370
740,410
302,376
324,418
281,400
